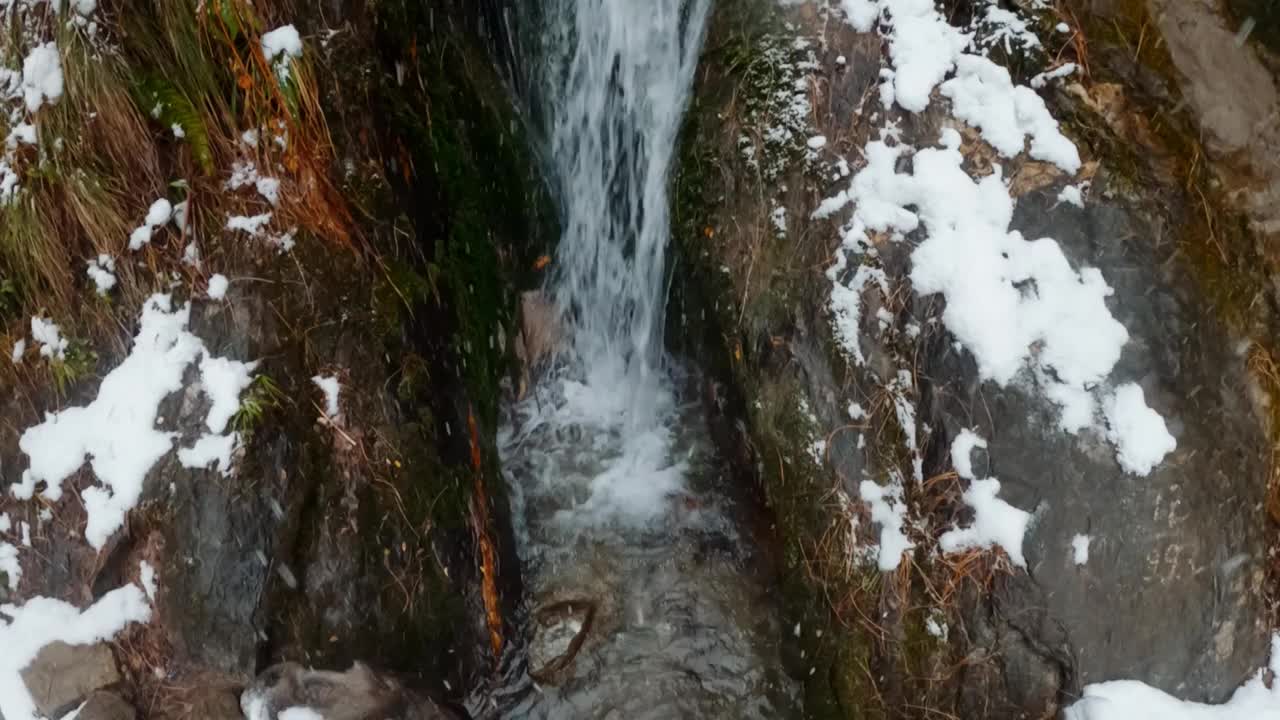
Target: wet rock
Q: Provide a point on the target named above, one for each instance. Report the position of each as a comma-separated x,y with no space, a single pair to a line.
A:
109,706
63,675
558,633
357,694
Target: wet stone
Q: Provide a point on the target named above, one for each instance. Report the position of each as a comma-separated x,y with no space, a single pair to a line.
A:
559,631
62,676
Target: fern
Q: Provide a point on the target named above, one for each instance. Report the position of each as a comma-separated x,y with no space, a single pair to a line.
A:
165,103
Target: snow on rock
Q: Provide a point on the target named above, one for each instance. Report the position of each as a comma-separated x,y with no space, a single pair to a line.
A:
42,76
210,450
42,621
889,510
223,380
995,522
101,271
300,713
846,307
1013,303
961,452
1138,432
1045,77
331,388
923,48
983,95
1133,700
1072,195
49,335
1004,293
218,286
1080,549
817,142
117,432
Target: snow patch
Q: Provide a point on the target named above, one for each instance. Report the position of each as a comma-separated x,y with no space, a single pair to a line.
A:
889,510
157,216
251,226
332,389
117,431
49,335
1138,432
218,286
1133,700
102,271
42,621
961,450
1080,549
280,46
995,522
42,77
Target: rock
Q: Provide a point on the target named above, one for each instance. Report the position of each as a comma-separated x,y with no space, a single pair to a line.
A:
62,676
357,694
558,633
1186,541
108,706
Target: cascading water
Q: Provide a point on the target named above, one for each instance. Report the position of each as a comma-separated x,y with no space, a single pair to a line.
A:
617,96
643,600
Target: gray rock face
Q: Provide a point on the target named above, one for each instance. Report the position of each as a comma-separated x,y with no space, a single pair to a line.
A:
62,676
1171,592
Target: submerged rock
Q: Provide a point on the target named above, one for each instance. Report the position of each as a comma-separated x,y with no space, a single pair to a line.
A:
558,633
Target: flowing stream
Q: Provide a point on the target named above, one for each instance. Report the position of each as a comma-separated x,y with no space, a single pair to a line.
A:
645,600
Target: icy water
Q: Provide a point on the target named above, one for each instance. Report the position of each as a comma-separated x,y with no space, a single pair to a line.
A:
644,599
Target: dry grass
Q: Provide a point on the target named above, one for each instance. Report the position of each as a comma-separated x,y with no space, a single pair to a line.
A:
103,158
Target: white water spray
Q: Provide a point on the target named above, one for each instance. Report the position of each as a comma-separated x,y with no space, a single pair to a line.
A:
620,81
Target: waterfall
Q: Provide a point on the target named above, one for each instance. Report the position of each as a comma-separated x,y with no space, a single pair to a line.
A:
615,494
617,79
